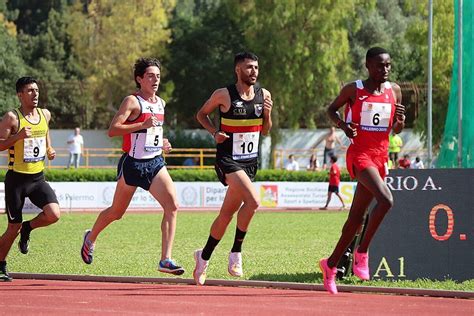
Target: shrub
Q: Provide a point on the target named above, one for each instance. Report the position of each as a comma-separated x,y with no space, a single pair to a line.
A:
99,175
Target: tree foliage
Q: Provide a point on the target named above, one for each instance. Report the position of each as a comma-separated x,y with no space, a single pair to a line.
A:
83,52
304,50
201,58
11,64
443,41
107,37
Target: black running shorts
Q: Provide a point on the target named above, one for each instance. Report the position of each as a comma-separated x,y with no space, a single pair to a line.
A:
333,188
225,165
19,186
139,172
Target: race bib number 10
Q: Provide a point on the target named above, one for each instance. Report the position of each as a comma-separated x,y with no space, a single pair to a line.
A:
154,138
375,117
34,149
245,145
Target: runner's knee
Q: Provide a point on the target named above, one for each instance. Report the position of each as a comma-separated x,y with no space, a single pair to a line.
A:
171,208
225,218
386,201
53,217
52,214
115,213
252,204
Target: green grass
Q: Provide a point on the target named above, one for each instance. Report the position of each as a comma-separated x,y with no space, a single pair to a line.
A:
279,247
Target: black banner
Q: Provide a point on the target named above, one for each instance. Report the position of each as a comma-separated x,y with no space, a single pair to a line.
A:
429,232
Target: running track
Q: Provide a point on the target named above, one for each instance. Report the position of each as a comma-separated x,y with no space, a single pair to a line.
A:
53,297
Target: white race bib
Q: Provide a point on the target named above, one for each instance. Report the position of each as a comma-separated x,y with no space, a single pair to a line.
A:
154,138
34,149
245,145
375,117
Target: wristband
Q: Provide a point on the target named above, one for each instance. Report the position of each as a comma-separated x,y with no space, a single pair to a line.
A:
340,123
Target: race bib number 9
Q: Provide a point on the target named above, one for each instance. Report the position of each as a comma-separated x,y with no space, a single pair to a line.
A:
34,149
375,117
154,138
245,145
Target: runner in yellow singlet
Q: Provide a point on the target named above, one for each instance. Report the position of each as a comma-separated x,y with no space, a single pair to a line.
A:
25,133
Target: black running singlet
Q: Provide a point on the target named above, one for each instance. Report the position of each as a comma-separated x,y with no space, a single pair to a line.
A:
243,123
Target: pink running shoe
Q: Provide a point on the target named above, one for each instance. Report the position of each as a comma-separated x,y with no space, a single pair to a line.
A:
329,276
360,266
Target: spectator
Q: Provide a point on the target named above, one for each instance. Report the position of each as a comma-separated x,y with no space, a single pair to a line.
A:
394,147
313,163
191,161
76,143
334,180
292,164
405,162
330,139
417,163
390,164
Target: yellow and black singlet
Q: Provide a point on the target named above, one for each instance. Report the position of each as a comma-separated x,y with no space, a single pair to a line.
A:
27,155
243,123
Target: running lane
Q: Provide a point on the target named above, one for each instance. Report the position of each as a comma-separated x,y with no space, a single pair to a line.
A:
43,297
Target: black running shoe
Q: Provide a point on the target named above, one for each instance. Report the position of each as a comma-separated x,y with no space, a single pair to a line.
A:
24,243
4,276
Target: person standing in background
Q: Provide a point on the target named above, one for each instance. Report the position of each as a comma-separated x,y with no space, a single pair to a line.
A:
405,162
330,140
395,144
313,163
75,145
292,164
334,180
417,163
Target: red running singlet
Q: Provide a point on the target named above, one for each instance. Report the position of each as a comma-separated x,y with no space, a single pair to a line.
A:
374,115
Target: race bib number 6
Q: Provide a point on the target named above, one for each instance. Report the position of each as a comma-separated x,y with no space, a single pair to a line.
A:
245,145
34,149
375,117
154,138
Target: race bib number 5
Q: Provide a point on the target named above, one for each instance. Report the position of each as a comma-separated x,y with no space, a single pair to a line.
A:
34,149
154,138
245,145
375,117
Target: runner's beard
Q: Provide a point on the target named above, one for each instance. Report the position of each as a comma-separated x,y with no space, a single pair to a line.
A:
249,81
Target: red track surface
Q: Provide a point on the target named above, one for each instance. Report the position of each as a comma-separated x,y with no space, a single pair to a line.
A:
43,297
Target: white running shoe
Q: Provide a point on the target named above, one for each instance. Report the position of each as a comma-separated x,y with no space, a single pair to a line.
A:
199,273
235,264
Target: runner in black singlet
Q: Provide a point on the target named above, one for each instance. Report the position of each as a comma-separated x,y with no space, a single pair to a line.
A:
245,114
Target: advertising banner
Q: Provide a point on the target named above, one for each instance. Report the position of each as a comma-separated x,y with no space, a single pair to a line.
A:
194,195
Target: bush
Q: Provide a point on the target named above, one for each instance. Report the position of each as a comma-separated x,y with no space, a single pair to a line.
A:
104,175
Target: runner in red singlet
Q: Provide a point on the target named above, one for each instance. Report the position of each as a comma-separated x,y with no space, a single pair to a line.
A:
373,109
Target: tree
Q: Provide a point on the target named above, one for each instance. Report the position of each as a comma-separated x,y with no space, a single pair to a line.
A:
201,58
107,37
49,55
443,42
304,50
12,65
